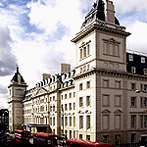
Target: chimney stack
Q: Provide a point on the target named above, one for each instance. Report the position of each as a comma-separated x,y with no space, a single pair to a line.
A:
110,12
45,76
65,68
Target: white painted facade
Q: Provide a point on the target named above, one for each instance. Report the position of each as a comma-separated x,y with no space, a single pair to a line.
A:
96,99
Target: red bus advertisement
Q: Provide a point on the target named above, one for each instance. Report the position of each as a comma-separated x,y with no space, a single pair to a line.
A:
51,140
22,136
84,143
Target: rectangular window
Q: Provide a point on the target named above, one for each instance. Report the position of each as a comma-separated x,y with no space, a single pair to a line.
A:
117,121
88,122
105,101
70,106
117,101
105,138
54,121
74,94
145,87
70,134
80,136
74,106
65,96
74,121
88,84
145,121
105,122
87,137
80,86
133,138
133,86
81,56
133,101
80,122
74,134
88,49
80,101
66,132
133,121
70,121
117,139
54,108
84,51
65,121
65,107
105,83
117,84
143,101
141,121
106,48
69,95
116,50
87,100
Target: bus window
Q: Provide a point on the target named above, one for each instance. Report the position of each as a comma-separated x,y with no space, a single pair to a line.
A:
22,136
46,139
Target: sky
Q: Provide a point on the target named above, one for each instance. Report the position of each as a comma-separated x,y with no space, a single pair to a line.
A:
36,35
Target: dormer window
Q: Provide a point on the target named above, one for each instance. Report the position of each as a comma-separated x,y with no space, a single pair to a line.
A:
142,59
133,69
130,57
145,71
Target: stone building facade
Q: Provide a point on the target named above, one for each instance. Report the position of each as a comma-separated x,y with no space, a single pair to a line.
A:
97,100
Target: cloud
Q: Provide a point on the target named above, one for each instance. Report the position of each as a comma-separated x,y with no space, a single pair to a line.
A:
3,89
4,101
7,59
138,40
130,5
49,15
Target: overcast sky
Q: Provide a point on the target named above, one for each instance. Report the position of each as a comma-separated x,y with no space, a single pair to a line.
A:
36,34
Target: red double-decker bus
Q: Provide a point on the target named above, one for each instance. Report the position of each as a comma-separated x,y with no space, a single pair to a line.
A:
22,136
85,143
51,140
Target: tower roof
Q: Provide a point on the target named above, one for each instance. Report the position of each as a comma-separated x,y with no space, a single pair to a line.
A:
17,78
97,12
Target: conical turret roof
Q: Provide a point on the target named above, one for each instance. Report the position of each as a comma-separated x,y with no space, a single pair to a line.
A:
17,78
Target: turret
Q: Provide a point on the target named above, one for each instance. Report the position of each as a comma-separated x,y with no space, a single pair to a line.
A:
17,90
101,41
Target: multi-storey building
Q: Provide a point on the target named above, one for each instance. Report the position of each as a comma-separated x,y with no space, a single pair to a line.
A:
97,100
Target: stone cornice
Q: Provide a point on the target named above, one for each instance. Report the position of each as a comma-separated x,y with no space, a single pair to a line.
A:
102,26
18,85
14,101
112,73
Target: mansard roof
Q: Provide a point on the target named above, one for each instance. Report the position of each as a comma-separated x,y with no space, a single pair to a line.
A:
97,12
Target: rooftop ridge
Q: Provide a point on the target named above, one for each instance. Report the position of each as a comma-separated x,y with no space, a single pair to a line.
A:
136,52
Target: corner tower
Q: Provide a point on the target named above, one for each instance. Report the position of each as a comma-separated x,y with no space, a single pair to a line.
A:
101,42
17,90
100,53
